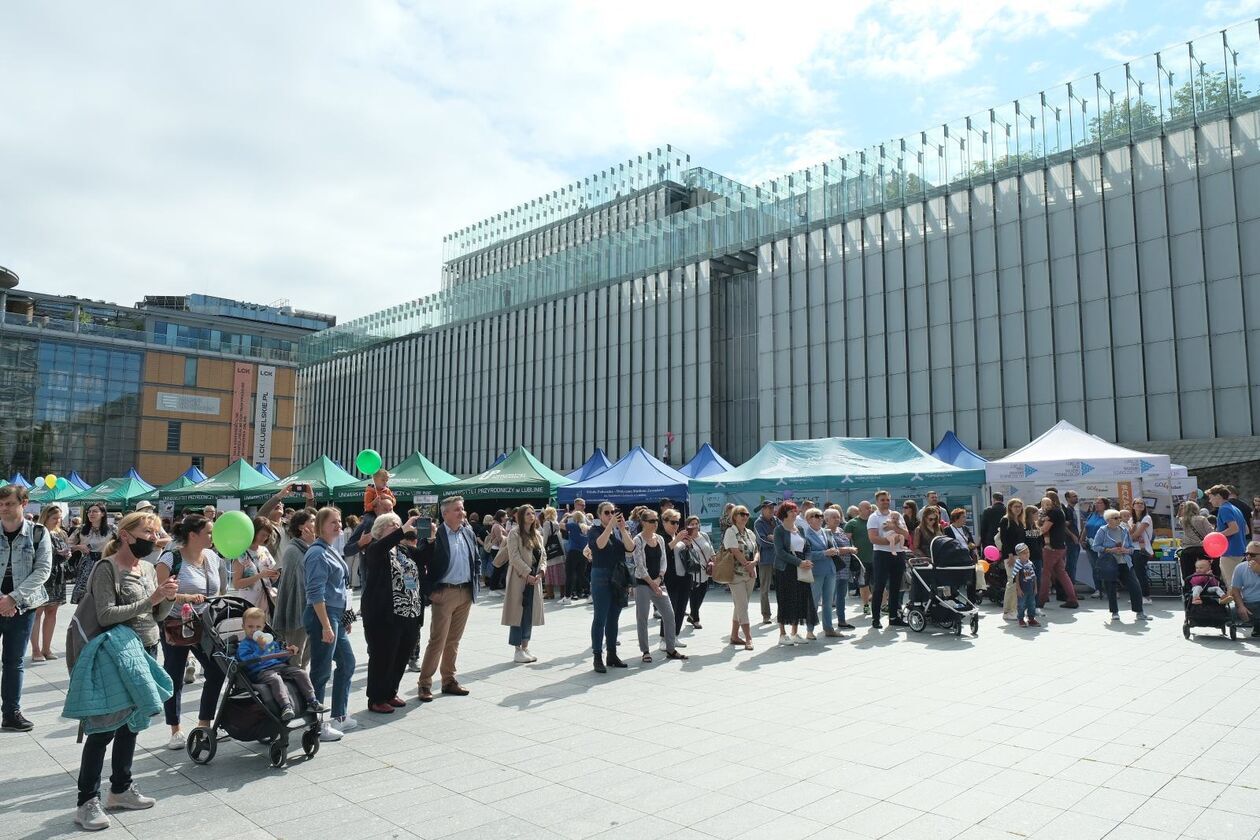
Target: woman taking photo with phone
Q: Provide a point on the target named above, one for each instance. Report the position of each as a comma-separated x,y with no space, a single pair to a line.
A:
610,541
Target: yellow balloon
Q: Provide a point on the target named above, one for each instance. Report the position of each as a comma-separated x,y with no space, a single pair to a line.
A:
50,481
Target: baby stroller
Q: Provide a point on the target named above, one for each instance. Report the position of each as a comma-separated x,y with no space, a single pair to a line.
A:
995,582
938,587
245,711
1210,613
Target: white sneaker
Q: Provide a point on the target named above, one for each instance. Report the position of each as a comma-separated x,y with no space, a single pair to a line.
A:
91,816
345,724
129,800
531,656
1115,618
678,643
177,741
190,674
328,732
786,641
522,657
1147,601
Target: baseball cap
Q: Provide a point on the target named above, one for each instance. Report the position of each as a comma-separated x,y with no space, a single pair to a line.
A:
1021,548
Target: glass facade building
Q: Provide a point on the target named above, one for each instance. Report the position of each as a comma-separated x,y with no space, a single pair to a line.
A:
1086,253
79,379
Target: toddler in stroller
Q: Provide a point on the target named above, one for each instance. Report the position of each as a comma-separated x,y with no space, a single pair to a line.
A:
1204,581
250,709
267,663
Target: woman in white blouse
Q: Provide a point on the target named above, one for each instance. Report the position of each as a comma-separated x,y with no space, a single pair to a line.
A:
741,541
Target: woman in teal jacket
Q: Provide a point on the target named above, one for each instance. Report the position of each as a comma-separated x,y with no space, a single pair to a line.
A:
122,591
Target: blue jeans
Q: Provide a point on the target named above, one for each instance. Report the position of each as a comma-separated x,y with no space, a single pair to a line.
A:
323,655
1073,554
607,613
824,591
522,632
842,589
15,634
1027,601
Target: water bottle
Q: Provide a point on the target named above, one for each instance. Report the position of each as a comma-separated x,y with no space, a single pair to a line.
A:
185,617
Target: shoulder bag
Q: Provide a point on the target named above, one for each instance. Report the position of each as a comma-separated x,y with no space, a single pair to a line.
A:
723,566
173,628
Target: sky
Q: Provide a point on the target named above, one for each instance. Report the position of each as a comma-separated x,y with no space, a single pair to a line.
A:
316,153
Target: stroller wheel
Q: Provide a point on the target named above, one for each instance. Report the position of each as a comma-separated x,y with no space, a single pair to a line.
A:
1185,629
279,752
975,625
310,742
201,745
917,620
1233,633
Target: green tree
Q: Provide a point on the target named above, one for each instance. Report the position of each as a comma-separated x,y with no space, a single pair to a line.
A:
1118,120
1208,92
1005,162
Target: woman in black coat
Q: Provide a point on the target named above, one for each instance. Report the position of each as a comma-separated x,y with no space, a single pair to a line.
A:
392,611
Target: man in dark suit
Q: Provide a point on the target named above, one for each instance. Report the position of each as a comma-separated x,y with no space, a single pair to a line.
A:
450,580
990,518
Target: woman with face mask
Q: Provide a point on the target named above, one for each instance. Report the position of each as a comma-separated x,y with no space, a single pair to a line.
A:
195,566
123,590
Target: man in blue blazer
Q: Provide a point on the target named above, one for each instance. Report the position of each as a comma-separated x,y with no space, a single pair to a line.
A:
450,580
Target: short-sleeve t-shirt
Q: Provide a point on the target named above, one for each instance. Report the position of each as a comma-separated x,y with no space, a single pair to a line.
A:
577,540
194,580
1058,536
1226,514
1144,543
856,529
876,523
1247,582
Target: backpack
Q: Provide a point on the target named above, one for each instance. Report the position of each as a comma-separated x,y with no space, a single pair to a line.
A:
85,626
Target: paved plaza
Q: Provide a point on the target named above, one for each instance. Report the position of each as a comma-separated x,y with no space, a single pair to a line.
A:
1076,731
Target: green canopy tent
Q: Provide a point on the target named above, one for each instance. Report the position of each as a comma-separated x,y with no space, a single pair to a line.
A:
324,476
519,476
416,476
233,482
63,492
841,470
187,479
117,493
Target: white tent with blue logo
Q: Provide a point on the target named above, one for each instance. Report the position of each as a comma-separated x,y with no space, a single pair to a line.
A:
1065,455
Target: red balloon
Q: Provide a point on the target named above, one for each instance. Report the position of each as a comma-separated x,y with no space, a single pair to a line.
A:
992,553
1215,544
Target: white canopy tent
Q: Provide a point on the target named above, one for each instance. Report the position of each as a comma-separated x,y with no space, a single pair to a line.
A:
1068,458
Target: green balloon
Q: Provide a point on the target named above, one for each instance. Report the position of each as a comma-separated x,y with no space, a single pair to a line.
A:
233,533
368,461
62,484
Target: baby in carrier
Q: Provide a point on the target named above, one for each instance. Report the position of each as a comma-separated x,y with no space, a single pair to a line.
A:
896,542
1204,581
267,663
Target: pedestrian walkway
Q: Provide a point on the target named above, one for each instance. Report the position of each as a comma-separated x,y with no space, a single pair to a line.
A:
1077,731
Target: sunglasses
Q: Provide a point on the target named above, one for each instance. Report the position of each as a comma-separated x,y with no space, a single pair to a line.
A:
741,514
1253,553
673,520
649,519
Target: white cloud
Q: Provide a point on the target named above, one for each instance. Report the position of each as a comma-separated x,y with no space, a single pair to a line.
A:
319,152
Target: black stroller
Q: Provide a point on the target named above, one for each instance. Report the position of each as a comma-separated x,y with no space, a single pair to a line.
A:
938,588
1211,612
245,711
994,582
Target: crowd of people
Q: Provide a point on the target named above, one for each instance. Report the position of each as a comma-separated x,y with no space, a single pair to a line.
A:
151,577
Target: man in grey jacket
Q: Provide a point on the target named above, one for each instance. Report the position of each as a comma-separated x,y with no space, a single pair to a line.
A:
25,562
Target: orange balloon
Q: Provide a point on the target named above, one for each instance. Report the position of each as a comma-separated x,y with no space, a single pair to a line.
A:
984,566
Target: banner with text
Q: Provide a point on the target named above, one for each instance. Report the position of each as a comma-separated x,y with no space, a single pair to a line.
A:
238,444
264,406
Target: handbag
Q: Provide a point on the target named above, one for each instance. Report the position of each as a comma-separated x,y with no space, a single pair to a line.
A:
690,563
173,631
724,566
804,575
554,550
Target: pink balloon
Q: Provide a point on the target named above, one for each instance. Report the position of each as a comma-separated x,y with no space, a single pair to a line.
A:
1215,544
992,554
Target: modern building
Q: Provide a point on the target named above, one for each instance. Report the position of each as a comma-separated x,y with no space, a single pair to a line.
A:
1086,253
100,388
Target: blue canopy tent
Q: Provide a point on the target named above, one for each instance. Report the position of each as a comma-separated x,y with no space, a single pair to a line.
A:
638,478
706,463
951,450
265,470
77,480
19,480
502,457
596,464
